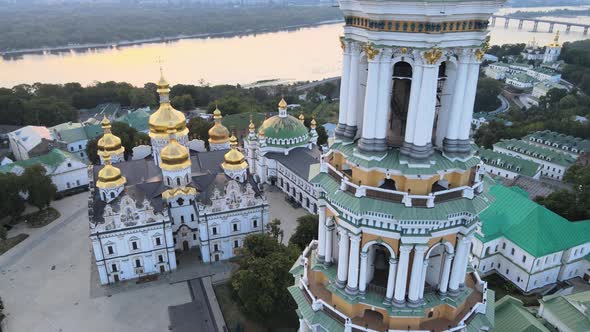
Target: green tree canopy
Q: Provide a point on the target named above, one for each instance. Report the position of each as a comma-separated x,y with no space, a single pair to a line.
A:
12,203
306,231
129,136
41,191
486,97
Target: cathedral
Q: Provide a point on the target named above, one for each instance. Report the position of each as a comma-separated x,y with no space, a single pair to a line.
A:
400,191
144,212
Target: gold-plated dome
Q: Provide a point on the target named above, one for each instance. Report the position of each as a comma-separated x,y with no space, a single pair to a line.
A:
282,103
174,155
218,134
555,40
301,117
166,116
234,159
251,127
110,176
108,144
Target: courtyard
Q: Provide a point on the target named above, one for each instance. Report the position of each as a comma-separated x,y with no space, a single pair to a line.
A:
47,281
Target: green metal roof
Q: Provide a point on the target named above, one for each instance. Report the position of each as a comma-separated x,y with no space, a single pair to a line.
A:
512,316
313,317
509,163
531,226
561,139
50,160
571,310
482,322
284,128
393,159
524,147
363,205
138,119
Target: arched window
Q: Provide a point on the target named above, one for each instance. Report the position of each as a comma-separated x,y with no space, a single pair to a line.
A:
168,180
104,196
112,194
182,219
178,181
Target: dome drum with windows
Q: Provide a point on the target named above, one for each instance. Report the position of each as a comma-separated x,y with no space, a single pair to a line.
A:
109,144
284,129
174,156
109,176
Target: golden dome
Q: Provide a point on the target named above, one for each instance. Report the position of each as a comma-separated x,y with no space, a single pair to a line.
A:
313,123
108,144
218,134
167,117
301,117
282,103
251,127
555,40
174,156
234,159
110,176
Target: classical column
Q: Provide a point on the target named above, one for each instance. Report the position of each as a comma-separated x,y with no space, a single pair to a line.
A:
328,254
401,278
353,87
468,102
342,114
383,101
423,280
413,105
450,141
417,265
371,96
302,326
463,273
457,270
353,265
390,280
363,273
321,234
446,271
342,258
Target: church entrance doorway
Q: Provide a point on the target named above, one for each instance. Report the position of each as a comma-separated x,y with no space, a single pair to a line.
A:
116,277
185,245
162,269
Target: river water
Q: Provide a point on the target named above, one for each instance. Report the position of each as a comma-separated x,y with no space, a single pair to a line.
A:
304,54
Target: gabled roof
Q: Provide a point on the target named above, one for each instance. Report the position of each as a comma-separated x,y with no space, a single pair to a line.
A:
138,119
509,163
50,161
524,147
561,139
534,228
572,310
30,136
78,133
512,316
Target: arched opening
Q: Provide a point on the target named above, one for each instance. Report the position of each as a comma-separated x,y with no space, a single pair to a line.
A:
388,184
112,194
399,103
438,270
178,181
440,185
378,268
104,196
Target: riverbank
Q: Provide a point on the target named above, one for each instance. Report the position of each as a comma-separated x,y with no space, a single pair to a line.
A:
114,45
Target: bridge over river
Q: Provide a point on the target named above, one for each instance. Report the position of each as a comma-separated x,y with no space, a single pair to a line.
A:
536,21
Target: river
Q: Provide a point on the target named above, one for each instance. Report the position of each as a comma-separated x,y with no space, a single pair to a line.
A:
300,55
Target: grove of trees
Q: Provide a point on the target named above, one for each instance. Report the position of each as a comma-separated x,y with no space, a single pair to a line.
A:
571,204
486,97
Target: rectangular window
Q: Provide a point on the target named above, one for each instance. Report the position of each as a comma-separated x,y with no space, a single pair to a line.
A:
114,267
523,258
192,217
158,241
255,223
215,247
110,250
137,263
214,230
134,245
235,227
504,245
194,236
236,244
160,259
512,252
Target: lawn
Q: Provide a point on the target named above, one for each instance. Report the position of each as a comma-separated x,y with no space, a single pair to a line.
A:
39,218
236,321
503,288
5,245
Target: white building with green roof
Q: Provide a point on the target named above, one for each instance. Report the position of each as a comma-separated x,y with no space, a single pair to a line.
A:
554,164
574,146
66,170
567,313
73,136
508,167
528,244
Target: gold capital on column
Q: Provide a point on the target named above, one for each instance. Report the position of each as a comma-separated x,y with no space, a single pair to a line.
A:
342,43
370,51
431,56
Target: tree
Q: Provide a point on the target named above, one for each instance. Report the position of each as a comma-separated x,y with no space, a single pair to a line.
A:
261,281
129,136
12,203
184,102
48,112
306,231
572,204
141,98
199,129
274,229
41,191
3,233
486,97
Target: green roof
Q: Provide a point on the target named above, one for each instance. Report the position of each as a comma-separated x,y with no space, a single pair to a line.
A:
364,205
313,317
571,310
521,77
561,139
284,128
50,160
483,322
509,163
531,226
86,132
523,147
393,161
138,119
512,316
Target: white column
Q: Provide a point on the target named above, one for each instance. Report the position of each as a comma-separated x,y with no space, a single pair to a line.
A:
417,265
353,87
426,107
413,103
457,104
328,254
423,280
342,114
383,101
401,278
321,234
444,281
463,273
302,326
353,265
370,107
457,274
363,273
342,258
469,100
390,280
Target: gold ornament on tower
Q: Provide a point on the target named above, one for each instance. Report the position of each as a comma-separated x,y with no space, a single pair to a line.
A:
370,51
110,176
432,56
166,115
234,160
218,134
174,156
108,144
